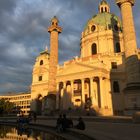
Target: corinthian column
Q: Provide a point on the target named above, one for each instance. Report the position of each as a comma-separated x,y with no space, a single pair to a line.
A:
83,93
72,93
91,90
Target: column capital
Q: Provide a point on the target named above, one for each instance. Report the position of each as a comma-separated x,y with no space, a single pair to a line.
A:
108,79
102,77
120,2
58,83
91,78
82,79
72,81
64,84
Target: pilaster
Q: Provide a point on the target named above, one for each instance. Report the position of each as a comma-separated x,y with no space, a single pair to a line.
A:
57,97
91,90
101,84
64,95
83,93
72,92
109,95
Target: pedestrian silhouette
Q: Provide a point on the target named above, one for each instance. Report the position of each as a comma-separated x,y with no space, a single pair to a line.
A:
81,124
59,124
34,116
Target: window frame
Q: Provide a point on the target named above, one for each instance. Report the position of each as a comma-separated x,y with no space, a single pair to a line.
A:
117,47
116,87
93,28
41,62
114,65
40,78
94,49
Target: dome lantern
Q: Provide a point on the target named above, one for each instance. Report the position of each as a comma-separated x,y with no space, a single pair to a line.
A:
104,7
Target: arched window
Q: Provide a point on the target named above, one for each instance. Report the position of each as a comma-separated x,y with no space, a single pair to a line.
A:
105,9
40,78
116,27
118,49
94,48
93,28
54,23
41,62
102,10
116,87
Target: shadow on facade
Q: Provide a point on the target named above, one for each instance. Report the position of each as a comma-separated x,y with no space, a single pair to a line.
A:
72,102
124,93
36,105
117,73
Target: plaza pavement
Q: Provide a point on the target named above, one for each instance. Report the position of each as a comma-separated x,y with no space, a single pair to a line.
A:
97,128
124,129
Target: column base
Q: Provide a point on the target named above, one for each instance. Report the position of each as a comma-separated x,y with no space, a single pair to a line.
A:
49,104
131,98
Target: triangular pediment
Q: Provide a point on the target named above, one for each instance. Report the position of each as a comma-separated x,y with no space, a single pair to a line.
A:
76,68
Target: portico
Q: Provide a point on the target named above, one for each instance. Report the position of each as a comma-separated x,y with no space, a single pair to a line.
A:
75,91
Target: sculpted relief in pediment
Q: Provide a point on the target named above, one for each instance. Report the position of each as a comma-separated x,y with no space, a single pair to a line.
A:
76,68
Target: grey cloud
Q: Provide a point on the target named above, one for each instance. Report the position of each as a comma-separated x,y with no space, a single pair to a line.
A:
7,5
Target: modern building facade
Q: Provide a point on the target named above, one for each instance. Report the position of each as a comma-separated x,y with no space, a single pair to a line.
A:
21,100
105,74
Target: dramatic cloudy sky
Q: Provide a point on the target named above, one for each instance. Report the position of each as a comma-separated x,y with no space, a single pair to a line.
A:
23,34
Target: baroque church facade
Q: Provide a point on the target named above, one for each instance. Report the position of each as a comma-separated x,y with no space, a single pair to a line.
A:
106,75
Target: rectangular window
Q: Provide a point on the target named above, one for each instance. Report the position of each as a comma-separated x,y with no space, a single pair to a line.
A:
116,87
40,78
114,65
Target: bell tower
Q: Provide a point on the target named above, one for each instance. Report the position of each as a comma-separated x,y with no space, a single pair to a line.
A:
104,7
54,31
130,44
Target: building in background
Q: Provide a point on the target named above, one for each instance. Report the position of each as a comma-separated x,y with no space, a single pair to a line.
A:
22,101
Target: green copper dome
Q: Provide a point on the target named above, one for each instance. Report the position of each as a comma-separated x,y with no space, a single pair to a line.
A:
104,21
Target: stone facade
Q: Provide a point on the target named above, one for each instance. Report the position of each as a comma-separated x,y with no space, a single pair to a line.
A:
21,100
40,76
100,75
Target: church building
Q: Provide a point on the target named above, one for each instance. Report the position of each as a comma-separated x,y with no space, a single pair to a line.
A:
106,75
